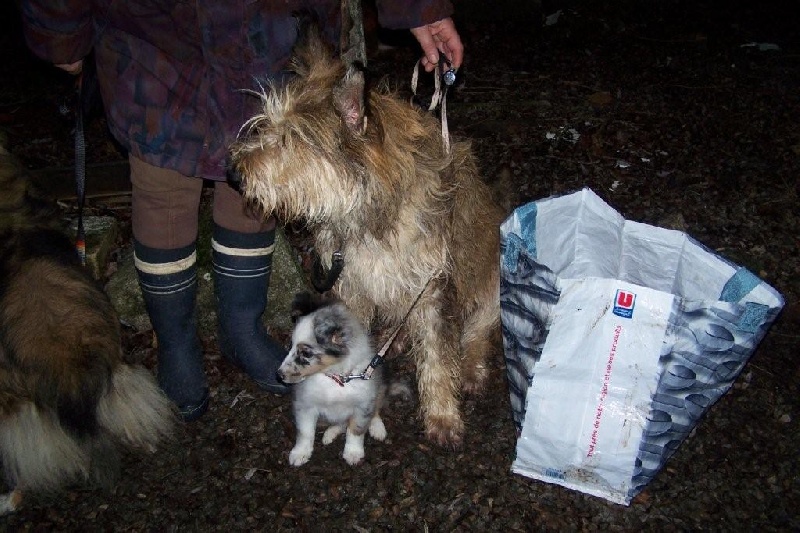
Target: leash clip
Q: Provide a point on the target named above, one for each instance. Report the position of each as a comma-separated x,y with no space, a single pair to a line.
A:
449,74
344,380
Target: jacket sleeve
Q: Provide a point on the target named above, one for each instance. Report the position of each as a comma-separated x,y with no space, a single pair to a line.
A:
58,31
407,14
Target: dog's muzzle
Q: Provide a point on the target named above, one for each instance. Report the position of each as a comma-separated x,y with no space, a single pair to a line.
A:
290,378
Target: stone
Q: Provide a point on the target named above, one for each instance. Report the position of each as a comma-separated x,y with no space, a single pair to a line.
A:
101,237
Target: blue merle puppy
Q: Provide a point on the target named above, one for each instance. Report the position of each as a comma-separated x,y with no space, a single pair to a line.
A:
328,345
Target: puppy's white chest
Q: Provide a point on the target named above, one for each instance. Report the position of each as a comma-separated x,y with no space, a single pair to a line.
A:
334,402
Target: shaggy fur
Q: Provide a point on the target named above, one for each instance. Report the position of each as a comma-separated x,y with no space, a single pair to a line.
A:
328,342
67,399
21,205
368,174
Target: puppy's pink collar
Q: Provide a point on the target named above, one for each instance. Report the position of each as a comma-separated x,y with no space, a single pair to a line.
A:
343,380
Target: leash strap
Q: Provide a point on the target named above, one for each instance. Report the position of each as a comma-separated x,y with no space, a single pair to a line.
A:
80,170
378,359
352,43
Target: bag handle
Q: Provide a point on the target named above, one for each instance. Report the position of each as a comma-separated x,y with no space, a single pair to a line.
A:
526,240
736,288
740,284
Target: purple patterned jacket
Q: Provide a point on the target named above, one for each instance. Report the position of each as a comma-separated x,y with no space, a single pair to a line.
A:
171,72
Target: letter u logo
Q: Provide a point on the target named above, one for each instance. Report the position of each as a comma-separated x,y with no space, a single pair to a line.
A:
624,303
624,299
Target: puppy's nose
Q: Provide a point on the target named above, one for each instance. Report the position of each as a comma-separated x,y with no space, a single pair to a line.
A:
233,175
281,376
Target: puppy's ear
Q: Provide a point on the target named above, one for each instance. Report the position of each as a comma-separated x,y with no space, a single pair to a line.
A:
333,330
348,96
304,303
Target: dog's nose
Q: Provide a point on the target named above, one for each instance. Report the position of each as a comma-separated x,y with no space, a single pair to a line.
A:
281,376
233,175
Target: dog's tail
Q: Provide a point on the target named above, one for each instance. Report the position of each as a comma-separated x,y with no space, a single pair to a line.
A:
135,410
37,453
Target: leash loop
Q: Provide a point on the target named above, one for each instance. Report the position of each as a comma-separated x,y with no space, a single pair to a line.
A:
441,77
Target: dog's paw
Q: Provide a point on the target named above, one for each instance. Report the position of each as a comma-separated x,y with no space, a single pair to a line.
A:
447,432
300,455
376,428
331,433
353,454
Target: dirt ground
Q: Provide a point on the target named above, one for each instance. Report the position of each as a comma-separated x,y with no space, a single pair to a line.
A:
681,114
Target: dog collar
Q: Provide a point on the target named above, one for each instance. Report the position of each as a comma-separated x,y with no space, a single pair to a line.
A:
342,379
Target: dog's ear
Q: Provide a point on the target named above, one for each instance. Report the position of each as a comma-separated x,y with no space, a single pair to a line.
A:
348,97
332,330
313,56
307,24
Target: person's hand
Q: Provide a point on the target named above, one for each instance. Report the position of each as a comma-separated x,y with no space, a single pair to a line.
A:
72,68
440,36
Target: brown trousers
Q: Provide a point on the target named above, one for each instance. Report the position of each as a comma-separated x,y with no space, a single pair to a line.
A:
166,206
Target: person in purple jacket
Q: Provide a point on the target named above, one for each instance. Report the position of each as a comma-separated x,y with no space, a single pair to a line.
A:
172,74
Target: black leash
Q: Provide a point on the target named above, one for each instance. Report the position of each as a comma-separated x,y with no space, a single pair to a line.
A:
353,50
324,281
80,171
86,96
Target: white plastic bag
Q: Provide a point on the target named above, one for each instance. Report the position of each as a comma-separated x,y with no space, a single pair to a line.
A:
618,336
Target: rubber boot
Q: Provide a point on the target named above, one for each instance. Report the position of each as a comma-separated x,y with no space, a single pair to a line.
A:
242,266
168,280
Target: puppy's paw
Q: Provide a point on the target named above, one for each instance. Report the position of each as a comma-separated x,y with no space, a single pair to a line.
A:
447,432
300,455
331,433
376,428
353,454
10,502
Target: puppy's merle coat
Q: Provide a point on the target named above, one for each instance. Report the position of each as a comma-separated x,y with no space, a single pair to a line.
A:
328,343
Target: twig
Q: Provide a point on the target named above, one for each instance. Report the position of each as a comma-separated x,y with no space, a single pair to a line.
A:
696,39
699,88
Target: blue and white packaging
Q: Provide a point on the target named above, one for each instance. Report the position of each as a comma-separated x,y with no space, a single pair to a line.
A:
618,337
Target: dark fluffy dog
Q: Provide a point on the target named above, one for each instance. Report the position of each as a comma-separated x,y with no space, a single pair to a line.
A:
370,176
66,396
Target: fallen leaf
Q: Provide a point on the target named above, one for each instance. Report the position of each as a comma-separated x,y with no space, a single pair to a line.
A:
601,98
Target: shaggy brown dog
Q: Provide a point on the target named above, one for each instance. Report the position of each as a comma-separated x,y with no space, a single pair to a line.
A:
66,396
370,177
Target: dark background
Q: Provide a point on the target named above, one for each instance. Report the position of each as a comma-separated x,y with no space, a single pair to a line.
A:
666,111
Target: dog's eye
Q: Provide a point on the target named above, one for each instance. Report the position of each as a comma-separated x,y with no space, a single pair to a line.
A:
304,354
